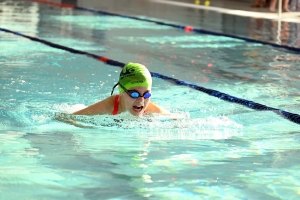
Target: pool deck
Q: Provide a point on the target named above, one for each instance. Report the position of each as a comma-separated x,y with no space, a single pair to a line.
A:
177,7
234,7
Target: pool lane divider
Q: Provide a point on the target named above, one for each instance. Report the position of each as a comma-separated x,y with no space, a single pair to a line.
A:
185,28
57,46
55,4
226,97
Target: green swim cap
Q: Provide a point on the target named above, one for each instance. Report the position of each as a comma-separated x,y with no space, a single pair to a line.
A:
134,75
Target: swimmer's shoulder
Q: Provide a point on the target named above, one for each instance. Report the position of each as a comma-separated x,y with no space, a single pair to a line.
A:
104,106
154,108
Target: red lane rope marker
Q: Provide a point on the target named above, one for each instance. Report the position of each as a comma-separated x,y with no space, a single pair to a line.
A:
103,59
55,4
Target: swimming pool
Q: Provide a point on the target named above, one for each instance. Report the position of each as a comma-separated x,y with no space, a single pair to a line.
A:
219,150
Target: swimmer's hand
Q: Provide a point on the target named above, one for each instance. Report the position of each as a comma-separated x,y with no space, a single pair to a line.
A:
176,116
171,116
66,118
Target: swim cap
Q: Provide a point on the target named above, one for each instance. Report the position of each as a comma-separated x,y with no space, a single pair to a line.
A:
134,75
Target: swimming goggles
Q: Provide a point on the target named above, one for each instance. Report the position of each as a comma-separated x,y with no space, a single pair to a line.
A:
133,93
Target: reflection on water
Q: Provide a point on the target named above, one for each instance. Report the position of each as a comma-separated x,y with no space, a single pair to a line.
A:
20,13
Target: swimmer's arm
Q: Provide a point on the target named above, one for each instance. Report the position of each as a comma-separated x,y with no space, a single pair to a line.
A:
65,118
154,108
101,107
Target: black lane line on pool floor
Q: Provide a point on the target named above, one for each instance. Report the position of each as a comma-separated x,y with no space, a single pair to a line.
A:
186,28
226,97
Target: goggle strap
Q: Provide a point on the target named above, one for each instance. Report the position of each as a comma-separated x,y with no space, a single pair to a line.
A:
114,88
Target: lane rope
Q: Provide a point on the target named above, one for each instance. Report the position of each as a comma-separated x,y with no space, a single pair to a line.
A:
226,97
186,28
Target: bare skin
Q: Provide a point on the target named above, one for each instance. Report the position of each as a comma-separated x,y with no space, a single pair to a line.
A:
257,3
285,6
136,107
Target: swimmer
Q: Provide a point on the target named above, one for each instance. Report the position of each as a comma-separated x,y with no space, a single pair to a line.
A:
135,83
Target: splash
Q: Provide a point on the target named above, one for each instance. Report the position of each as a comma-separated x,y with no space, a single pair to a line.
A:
155,126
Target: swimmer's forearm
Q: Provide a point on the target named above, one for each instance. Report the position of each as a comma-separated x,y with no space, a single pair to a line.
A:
62,117
86,111
100,108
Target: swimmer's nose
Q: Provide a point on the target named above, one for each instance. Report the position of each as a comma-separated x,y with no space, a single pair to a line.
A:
140,99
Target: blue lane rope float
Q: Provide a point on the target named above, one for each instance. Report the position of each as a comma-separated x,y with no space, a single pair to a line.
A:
186,28
250,104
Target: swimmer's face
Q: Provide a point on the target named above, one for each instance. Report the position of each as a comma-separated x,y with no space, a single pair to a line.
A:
136,106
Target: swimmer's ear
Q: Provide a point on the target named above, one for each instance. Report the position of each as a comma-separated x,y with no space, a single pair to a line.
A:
114,89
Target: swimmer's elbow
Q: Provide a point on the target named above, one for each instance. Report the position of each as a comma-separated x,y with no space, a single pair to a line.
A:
165,112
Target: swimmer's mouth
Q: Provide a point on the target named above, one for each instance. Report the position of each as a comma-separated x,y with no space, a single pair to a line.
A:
138,108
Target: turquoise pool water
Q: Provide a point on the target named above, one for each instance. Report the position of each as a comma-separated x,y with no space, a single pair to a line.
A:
218,150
